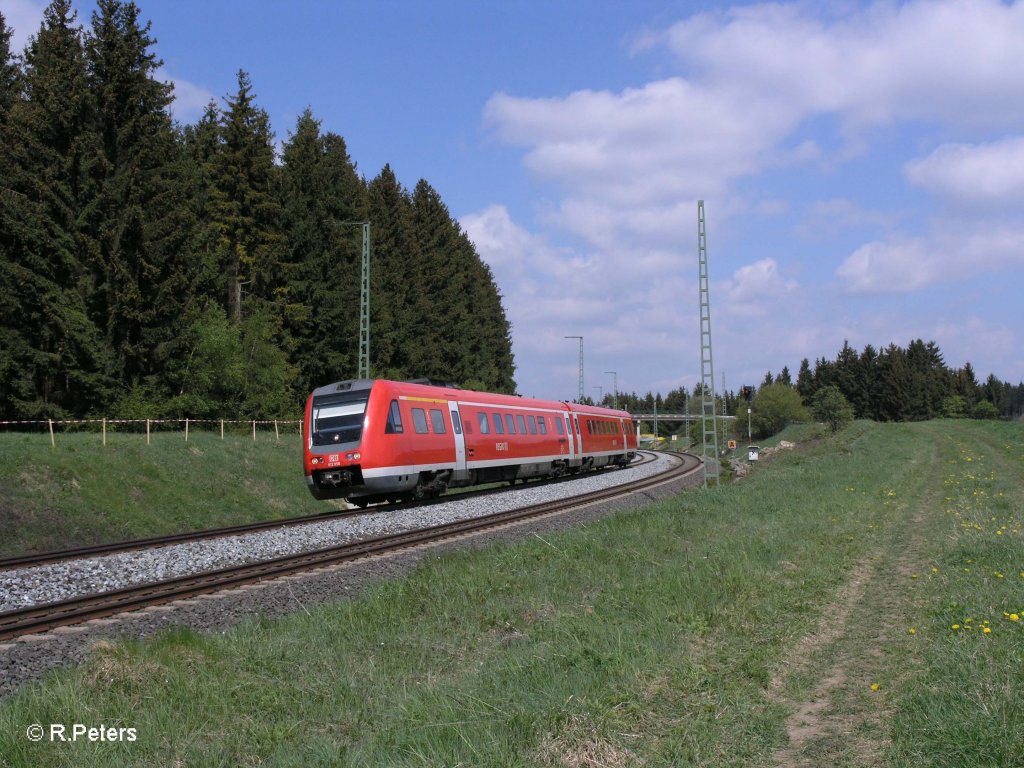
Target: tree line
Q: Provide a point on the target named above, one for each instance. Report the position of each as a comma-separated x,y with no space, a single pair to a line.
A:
891,384
150,268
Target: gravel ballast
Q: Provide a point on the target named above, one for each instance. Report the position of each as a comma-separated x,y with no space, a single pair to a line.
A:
26,658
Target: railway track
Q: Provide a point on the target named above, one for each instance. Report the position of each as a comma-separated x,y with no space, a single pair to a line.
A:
41,618
100,550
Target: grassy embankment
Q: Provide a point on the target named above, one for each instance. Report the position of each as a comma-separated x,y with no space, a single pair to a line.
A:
83,493
852,603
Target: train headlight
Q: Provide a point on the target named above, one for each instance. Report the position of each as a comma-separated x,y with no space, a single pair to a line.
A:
353,456
315,460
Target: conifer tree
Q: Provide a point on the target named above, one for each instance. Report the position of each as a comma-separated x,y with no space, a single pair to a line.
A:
52,360
246,216
805,381
395,260
9,72
469,337
139,288
323,200
201,145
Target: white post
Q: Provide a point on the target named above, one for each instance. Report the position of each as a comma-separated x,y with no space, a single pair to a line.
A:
147,431
186,430
104,431
276,433
222,429
254,430
52,443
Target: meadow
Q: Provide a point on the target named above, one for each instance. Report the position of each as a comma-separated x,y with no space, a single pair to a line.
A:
82,492
856,601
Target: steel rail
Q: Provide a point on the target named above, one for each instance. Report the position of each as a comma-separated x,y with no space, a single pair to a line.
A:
101,550
40,618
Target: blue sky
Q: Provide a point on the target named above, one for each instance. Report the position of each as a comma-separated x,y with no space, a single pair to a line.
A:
862,164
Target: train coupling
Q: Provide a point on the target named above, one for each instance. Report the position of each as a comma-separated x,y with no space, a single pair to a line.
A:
336,478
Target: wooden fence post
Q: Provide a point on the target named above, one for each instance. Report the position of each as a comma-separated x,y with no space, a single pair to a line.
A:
186,430
222,429
254,430
53,444
276,433
147,431
104,431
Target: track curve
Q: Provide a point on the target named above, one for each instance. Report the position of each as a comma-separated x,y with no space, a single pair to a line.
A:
41,618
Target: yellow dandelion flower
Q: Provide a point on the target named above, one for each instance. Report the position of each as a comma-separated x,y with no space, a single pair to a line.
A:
912,631
956,626
987,630
875,686
1014,617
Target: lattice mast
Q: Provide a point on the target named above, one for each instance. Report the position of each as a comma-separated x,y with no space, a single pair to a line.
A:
709,419
364,307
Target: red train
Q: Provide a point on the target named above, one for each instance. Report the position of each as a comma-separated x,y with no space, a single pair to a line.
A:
371,440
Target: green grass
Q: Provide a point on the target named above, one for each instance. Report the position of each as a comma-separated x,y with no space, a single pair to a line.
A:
685,633
83,493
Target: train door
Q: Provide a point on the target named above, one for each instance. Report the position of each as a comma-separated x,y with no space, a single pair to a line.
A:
571,437
460,440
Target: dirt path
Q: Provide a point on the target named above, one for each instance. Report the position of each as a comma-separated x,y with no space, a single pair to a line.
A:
826,679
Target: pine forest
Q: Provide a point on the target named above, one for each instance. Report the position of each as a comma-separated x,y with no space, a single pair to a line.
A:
153,269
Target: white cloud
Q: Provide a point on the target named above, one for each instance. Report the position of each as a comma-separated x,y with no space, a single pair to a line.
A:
757,286
974,174
827,218
950,252
895,266
668,139
190,100
952,60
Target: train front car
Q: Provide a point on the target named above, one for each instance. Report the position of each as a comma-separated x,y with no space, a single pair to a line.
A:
332,440
369,441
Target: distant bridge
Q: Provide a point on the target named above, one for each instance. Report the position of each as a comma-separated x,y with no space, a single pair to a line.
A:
672,416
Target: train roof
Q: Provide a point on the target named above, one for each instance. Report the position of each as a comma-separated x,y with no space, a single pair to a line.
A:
454,392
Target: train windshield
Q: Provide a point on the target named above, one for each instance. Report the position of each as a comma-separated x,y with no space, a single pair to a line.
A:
339,418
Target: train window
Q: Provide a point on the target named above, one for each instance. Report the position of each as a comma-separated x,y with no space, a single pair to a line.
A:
521,423
590,427
419,421
481,419
510,424
456,423
499,428
542,424
437,420
394,425
533,424
338,418
558,426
